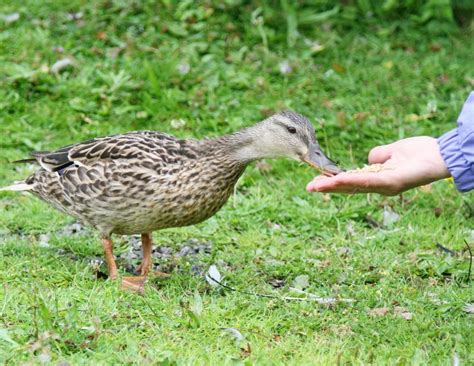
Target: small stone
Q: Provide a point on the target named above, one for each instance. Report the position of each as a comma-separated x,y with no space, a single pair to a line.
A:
166,250
184,251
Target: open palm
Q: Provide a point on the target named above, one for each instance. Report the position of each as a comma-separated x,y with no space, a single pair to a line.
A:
407,163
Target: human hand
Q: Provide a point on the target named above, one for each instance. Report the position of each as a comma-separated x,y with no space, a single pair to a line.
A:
407,163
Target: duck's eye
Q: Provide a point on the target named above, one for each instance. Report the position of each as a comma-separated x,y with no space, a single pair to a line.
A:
291,129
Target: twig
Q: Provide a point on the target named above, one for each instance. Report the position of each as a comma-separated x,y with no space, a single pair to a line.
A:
470,261
444,249
309,297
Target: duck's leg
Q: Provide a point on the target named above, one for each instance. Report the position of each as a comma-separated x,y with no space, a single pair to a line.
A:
147,261
147,246
109,257
137,283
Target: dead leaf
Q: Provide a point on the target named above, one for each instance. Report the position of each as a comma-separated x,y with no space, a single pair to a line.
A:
413,117
101,35
443,78
338,68
301,282
435,47
246,351
61,65
263,166
403,313
326,198
437,211
379,311
341,118
277,282
134,284
177,123
327,103
389,216
427,188
213,277
360,116
11,18
469,308
234,333
197,305
114,52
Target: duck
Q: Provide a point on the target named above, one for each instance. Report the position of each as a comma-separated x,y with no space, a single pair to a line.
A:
144,181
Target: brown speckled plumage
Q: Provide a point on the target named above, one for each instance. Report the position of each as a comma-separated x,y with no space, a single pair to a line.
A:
139,182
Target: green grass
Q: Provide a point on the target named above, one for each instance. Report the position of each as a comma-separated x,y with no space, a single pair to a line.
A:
369,85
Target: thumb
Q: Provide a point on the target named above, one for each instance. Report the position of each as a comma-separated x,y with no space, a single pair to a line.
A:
380,154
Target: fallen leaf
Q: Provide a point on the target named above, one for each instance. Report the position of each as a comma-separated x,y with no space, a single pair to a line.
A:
75,16
338,68
316,47
177,123
389,216
11,18
213,277
101,35
403,313
277,283
114,52
142,115
427,188
263,166
413,117
61,64
327,103
341,118
456,361
246,351
360,116
435,47
379,311
469,308
344,251
234,333
4,336
301,282
443,78
197,305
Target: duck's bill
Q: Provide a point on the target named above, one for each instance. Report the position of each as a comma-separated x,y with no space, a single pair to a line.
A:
318,160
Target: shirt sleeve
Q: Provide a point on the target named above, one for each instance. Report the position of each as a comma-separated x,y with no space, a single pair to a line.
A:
457,148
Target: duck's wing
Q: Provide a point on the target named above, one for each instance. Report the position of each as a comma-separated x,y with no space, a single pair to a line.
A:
141,145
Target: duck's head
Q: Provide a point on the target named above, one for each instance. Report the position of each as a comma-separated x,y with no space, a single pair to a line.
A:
287,134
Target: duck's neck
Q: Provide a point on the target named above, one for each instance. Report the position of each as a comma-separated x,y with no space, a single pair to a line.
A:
246,145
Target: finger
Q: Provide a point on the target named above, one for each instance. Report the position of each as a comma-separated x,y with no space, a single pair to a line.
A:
380,154
351,183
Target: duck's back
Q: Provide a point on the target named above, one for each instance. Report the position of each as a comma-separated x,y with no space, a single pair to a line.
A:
137,182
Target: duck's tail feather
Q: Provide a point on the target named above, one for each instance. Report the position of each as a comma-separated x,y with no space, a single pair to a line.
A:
18,186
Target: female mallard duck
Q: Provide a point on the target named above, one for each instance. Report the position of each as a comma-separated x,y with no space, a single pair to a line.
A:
144,181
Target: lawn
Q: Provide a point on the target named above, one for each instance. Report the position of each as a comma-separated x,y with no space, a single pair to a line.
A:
204,70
